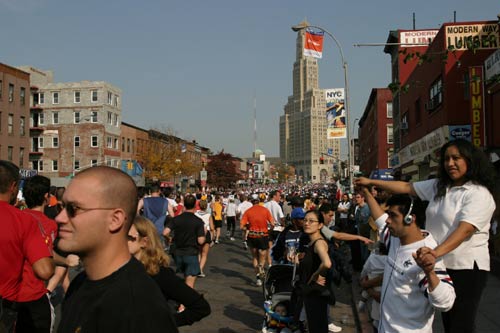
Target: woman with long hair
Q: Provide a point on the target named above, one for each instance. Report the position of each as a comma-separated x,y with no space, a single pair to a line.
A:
145,245
461,205
313,269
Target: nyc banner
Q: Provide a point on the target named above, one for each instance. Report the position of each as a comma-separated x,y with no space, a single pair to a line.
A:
335,114
313,44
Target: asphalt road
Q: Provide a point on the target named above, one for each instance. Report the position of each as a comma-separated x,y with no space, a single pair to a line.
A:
229,287
237,303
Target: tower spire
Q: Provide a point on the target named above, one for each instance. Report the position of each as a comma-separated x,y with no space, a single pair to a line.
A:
254,121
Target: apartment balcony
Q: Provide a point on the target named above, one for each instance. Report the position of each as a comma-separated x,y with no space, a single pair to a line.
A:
35,155
36,108
36,129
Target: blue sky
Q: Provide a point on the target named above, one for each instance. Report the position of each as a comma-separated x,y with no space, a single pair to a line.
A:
193,67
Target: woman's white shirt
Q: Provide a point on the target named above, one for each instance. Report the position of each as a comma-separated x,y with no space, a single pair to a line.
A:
469,203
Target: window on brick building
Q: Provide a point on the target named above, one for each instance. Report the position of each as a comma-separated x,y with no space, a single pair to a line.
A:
38,165
93,163
94,141
76,117
77,97
11,92
390,136
110,97
22,96
94,96
77,141
389,109
22,126
55,117
21,157
55,97
418,111
435,95
94,116
10,124
55,142
55,166
41,98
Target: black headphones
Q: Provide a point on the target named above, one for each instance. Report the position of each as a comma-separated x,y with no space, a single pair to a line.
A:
407,219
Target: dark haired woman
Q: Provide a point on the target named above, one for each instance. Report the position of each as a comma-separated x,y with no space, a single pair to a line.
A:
461,205
313,268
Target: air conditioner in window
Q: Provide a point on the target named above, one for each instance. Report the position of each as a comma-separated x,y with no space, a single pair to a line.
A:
404,126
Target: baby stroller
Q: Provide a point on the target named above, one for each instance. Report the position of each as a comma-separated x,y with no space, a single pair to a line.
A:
277,290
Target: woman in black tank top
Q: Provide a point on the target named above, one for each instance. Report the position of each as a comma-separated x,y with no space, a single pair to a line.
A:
313,269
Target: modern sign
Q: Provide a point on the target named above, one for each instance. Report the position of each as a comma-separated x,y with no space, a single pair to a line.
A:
416,38
472,36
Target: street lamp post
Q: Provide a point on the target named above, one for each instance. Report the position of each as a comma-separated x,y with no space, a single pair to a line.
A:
304,25
177,174
351,144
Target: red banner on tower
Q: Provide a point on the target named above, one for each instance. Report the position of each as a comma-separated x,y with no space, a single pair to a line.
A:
313,44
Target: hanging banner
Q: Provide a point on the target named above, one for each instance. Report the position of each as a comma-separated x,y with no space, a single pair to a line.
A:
313,44
477,105
335,114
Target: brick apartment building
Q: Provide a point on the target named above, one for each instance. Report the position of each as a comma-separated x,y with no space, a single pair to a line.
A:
376,132
439,92
73,125
14,116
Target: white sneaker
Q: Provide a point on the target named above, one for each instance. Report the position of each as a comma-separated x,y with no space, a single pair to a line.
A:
334,328
258,282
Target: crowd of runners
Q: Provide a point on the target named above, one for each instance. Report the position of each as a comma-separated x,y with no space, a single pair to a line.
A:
414,258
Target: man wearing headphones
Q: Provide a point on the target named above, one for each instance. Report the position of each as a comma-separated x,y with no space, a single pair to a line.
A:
411,291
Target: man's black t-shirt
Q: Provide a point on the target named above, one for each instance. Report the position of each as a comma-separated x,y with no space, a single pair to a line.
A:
187,227
126,301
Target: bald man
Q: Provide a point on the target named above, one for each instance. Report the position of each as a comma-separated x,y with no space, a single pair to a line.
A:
114,293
